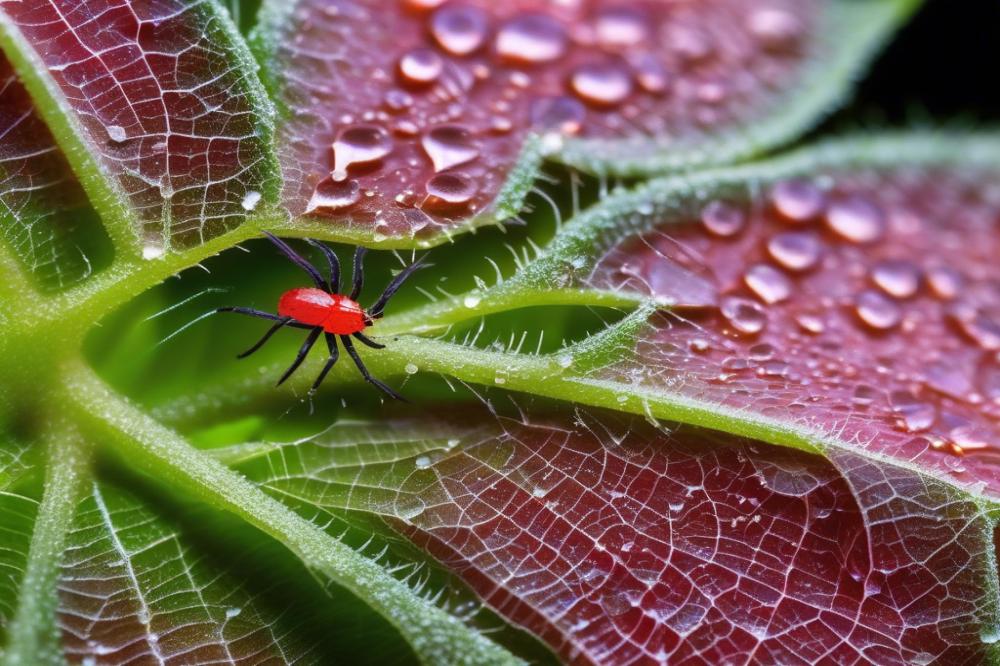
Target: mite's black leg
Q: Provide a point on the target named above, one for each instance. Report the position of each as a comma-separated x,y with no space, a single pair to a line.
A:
368,341
397,282
303,352
263,315
284,321
349,346
331,343
298,261
359,272
333,261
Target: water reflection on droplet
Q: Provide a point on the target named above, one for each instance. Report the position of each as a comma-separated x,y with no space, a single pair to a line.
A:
797,200
621,27
420,66
459,29
359,144
795,250
332,194
723,219
449,190
855,219
897,278
877,311
768,283
449,146
531,38
744,315
602,84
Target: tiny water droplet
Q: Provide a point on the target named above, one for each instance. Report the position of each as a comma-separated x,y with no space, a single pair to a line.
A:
651,75
855,219
915,415
810,323
601,84
420,67
989,634
561,114
449,146
797,200
233,612
723,219
531,38
944,282
795,250
768,283
471,302
744,315
117,133
977,325
621,27
460,30
876,310
153,252
897,278
776,29
422,462
411,369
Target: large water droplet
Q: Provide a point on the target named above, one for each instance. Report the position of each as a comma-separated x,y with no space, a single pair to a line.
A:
420,66
359,144
449,190
744,315
448,146
561,114
460,30
602,84
795,250
333,194
797,200
723,219
897,278
856,219
876,310
531,38
770,284
621,27
949,379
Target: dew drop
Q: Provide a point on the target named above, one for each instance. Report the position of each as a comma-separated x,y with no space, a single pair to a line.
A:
602,84
966,438
776,29
332,194
915,415
897,278
233,612
810,323
150,252
863,395
651,75
723,219
855,219
795,250
691,44
561,114
944,282
797,200
762,352
531,38
471,302
460,30
397,100
989,635
359,144
117,133
977,325
744,315
420,66
620,28
250,200
449,190
448,146
411,369
422,462
877,311
768,283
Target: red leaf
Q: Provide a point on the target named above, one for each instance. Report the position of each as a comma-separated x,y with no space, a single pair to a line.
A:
619,544
406,117
863,305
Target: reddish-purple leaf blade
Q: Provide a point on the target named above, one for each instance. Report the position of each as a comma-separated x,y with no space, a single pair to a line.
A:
409,117
862,305
166,101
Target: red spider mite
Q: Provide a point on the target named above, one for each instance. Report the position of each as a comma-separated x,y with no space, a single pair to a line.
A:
323,311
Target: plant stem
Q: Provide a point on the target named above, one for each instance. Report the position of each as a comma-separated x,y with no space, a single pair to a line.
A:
34,635
435,636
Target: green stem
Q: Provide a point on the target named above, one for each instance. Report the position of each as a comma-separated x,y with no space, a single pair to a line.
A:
435,636
34,635
15,287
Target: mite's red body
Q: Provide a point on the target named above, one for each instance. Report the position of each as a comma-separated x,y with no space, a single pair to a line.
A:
314,307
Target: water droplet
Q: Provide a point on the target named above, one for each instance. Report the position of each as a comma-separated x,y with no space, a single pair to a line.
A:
449,190
744,315
359,144
420,66
810,323
422,462
411,369
250,200
471,302
690,44
153,252
948,378
460,30
965,438
795,250
977,325
620,28
863,395
768,283
651,74
602,84
762,352
331,194
448,146
855,219
944,282
117,133
897,278
233,612
876,310
915,415
989,635
531,38
776,29
797,200
723,219
397,100
561,114
539,492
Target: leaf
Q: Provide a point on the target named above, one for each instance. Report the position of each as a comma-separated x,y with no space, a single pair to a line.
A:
157,107
41,203
616,542
410,119
17,516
